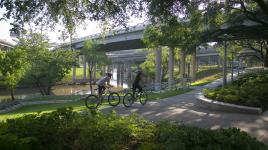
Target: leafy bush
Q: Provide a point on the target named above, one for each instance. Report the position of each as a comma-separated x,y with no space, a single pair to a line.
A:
65,129
249,90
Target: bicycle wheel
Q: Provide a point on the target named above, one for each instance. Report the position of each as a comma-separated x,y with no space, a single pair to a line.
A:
128,100
143,97
92,102
114,99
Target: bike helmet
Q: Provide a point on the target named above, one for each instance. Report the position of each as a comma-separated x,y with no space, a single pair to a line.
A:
109,74
138,71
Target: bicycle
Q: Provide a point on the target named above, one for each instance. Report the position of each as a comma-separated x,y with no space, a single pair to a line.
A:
93,101
129,98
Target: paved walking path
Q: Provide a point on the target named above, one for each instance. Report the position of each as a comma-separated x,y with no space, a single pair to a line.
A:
184,108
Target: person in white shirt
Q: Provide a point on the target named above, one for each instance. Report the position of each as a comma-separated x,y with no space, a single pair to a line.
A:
102,82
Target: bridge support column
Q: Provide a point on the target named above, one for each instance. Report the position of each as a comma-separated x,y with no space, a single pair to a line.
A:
74,71
170,67
118,74
182,64
85,69
158,62
129,81
109,68
104,69
122,75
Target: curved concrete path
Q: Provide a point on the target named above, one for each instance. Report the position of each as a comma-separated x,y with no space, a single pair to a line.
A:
185,109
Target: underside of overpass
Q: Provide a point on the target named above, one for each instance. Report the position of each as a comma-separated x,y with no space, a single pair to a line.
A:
123,45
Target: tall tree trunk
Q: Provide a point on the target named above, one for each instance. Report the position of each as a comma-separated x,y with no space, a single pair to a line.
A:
170,67
74,63
193,70
158,62
225,65
85,69
94,71
39,88
90,68
48,90
182,64
12,94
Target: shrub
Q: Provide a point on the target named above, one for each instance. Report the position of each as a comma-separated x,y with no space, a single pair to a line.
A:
249,90
65,129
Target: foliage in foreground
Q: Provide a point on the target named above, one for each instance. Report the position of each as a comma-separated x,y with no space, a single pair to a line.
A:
66,129
249,90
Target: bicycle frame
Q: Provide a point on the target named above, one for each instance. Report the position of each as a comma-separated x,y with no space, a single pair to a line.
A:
101,96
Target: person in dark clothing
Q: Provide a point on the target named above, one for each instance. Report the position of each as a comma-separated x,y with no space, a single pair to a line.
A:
137,82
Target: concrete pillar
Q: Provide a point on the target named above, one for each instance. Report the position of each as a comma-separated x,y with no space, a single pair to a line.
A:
122,75
170,67
182,64
118,74
103,68
85,69
158,62
109,68
129,81
74,72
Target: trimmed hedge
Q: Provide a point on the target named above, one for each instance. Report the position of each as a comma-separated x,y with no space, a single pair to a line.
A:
249,90
65,129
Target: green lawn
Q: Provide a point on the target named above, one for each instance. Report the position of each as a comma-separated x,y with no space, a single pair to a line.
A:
206,80
205,71
69,76
158,96
206,74
77,106
79,75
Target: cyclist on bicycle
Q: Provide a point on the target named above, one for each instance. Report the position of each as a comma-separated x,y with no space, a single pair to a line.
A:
101,83
137,84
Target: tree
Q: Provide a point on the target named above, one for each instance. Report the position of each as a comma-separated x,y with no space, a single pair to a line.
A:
46,66
93,55
184,32
70,12
13,67
50,68
233,48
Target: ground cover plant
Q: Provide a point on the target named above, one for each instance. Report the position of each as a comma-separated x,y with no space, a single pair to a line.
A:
249,89
66,129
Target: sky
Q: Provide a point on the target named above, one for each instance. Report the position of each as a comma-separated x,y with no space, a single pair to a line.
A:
91,28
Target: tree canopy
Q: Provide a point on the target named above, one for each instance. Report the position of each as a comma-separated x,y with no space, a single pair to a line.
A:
69,12
13,67
93,55
46,66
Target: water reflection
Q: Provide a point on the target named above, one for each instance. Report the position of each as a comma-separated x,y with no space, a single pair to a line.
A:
29,93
